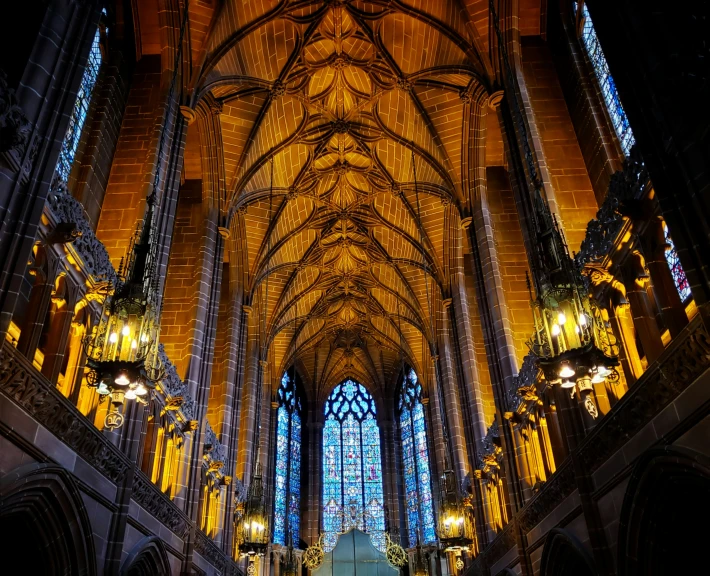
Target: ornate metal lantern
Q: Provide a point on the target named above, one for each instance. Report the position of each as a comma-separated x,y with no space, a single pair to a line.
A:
122,350
455,523
254,528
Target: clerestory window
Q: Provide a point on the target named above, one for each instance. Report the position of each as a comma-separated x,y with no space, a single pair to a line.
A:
81,109
606,82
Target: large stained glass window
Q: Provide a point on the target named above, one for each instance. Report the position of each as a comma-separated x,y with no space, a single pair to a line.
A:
415,456
81,109
287,497
681,282
606,82
352,465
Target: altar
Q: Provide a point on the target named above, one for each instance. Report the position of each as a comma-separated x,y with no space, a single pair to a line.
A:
355,555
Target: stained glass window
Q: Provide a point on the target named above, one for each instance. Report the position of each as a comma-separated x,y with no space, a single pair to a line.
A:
81,109
415,456
681,282
352,465
606,82
287,481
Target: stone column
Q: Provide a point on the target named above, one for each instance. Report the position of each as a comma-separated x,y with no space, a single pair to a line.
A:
62,312
454,426
644,319
522,457
248,415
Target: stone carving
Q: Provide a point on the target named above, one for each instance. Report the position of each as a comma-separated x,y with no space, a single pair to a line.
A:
558,487
625,187
153,501
22,383
214,454
91,252
503,542
213,554
15,128
174,387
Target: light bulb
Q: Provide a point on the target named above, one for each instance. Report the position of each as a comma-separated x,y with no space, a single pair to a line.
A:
130,395
604,371
113,338
555,330
583,320
126,330
144,338
576,328
134,345
122,379
567,384
566,371
561,318
141,390
597,378
103,389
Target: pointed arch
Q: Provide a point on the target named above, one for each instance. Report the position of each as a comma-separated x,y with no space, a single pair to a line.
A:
564,554
45,521
147,558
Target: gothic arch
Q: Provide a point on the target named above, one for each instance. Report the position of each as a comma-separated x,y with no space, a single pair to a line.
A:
147,558
666,496
564,555
45,523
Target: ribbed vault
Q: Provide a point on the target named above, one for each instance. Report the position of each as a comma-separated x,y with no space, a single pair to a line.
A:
344,159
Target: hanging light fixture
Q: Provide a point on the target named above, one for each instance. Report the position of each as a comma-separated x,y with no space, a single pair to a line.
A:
455,524
573,343
254,522
122,349
254,530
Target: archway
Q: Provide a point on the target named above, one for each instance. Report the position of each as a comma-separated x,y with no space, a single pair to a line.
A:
44,524
662,529
564,555
147,558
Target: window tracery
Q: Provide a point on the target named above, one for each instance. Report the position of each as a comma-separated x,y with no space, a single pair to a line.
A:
352,465
606,83
287,497
415,457
81,109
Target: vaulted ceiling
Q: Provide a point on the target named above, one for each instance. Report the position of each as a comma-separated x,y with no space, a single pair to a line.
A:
343,138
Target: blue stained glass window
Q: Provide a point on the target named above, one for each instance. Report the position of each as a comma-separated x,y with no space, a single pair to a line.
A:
81,109
681,282
287,481
415,456
352,465
606,82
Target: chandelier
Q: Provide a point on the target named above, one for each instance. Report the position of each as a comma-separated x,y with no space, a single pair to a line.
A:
254,524
573,343
122,350
455,522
